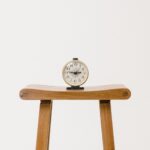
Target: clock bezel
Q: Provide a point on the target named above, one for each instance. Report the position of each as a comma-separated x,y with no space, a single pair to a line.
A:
63,74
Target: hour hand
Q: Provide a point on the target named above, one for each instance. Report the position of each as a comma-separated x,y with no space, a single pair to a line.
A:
78,72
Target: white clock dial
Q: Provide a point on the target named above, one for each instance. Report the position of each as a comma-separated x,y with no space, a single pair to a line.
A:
75,73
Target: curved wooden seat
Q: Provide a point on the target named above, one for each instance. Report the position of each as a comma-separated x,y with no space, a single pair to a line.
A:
107,92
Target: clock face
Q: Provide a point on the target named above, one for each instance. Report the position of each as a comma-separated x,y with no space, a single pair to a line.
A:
75,73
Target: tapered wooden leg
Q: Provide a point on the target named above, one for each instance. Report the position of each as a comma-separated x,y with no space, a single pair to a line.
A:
44,125
106,124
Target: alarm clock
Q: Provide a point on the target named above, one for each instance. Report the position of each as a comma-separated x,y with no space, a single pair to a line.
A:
75,73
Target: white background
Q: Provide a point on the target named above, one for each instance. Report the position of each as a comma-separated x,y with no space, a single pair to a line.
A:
38,37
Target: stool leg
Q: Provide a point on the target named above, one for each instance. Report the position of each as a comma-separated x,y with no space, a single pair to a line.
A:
44,125
106,124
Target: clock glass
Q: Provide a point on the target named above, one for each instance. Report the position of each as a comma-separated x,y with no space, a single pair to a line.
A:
75,73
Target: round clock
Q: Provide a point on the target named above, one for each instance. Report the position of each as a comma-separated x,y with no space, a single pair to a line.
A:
75,73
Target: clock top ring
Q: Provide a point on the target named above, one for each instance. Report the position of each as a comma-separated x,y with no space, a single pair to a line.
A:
75,73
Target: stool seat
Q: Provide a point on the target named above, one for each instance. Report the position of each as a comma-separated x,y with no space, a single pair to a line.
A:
106,92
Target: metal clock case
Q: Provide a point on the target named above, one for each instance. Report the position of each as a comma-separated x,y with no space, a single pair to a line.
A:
75,73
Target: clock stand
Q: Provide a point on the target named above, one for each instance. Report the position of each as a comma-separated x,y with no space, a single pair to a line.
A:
75,88
47,94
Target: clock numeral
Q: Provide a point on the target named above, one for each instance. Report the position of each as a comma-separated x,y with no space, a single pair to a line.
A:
67,68
66,72
75,64
67,76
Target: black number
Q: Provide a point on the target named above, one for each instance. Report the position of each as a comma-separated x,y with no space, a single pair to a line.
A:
68,68
67,76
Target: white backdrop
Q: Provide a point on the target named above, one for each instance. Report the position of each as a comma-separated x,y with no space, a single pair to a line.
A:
38,37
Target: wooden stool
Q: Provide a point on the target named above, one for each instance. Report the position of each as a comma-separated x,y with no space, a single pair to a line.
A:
48,93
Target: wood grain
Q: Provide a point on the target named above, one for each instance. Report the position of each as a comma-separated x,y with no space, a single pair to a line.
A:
37,92
44,125
106,124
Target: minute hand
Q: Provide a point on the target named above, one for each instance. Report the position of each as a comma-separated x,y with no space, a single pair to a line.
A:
76,72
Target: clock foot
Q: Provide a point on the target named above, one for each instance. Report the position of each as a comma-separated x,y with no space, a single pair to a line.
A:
75,88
